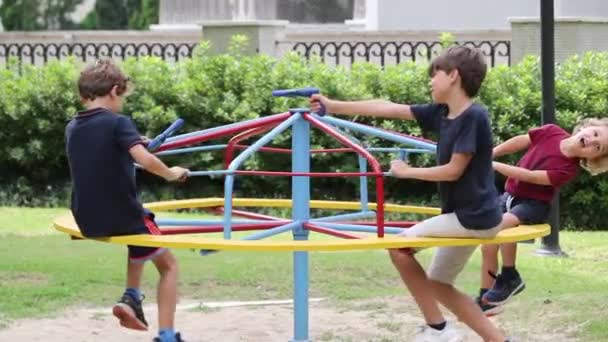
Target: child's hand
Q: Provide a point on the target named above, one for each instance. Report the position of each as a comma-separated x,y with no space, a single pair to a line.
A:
145,140
319,103
178,174
399,168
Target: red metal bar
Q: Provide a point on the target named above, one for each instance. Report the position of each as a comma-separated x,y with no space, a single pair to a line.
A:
219,228
247,214
287,150
399,224
267,149
328,231
310,174
226,131
229,152
371,160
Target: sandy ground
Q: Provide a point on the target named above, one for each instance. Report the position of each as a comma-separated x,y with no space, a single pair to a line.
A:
384,319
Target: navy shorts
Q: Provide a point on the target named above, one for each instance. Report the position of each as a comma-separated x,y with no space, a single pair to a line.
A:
140,254
527,211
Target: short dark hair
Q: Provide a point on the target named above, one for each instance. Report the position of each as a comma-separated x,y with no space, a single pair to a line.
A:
469,62
98,79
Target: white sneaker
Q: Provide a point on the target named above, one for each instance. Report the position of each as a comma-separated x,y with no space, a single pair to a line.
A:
449,334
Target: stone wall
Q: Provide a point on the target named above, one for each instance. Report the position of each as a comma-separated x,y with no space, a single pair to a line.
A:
572,36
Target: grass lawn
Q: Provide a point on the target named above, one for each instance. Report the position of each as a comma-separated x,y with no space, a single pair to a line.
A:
42,271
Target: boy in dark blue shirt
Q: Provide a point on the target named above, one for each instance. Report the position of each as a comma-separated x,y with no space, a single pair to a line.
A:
101,148
466,187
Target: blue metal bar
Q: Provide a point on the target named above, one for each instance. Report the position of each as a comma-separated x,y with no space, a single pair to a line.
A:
273,231
359,228
192,149
351,216
229,182
228,186
363,184
194,222
377,132
210,130
399,149
362,168
158,140
300,92
300,194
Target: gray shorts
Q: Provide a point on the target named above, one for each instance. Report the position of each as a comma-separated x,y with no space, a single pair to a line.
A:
527,211
448,262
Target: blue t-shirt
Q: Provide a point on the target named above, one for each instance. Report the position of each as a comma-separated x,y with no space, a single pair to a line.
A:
472,197
104,200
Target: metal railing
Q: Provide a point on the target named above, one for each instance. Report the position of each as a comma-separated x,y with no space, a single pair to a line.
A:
40,53
336,53
385,53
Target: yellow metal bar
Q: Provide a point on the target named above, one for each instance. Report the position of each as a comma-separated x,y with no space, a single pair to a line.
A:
67,225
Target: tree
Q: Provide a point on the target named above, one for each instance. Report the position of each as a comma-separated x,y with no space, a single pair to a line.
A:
122,14
142,13
29,15
111,14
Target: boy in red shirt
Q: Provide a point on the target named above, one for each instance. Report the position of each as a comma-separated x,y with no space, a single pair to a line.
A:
551,161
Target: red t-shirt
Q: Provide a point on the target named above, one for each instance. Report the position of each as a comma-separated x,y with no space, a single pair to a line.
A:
544,154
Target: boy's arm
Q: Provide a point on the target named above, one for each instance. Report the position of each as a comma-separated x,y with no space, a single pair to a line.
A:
515,144
444,173
540,177
375,108
154,165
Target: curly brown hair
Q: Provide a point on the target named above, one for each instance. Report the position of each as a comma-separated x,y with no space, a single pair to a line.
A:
97,80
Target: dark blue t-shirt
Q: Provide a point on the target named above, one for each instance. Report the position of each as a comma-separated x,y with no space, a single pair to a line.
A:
473,196
104,200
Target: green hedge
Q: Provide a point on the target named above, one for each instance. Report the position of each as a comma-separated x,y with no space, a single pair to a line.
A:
208,91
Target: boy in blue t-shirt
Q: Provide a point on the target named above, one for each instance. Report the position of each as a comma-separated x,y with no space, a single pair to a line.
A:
466,187
101,146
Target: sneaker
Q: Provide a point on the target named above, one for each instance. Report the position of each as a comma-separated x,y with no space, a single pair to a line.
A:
503,289
450,333
129,312
177,338
488,309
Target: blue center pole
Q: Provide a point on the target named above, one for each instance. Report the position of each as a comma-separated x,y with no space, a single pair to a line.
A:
300,194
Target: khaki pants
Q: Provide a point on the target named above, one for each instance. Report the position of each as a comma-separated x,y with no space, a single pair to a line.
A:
448,262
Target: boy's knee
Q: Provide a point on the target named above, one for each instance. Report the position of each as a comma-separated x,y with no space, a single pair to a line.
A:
440,287
402,257
489,250
166,263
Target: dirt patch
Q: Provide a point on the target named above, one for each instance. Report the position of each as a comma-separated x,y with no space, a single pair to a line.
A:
23,279
379,320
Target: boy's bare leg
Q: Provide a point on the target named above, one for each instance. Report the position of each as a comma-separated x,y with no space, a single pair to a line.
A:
490,253
414,277
167,289
128,309
489,262
134,272
509,250
467,311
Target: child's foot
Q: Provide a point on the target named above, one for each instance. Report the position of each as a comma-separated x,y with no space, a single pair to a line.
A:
488,309
176,338
504,288
129,312
448,334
